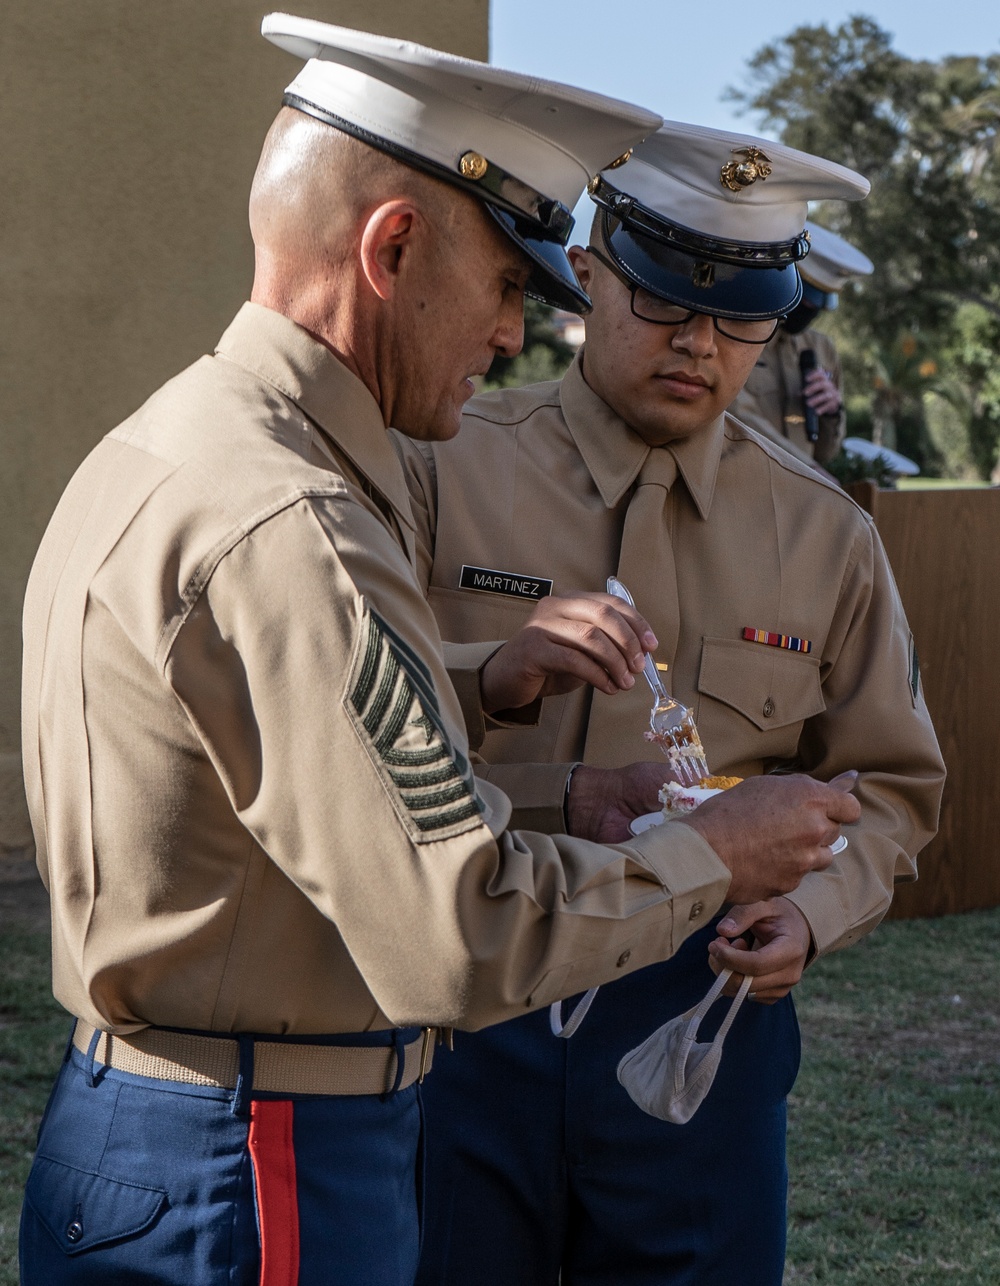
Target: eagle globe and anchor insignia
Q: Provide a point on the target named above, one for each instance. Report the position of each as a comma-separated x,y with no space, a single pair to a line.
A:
737,175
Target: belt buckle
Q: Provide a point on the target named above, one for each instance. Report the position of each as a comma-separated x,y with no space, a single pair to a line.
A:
426,1045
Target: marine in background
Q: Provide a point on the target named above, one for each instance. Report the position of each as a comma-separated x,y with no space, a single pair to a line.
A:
794,394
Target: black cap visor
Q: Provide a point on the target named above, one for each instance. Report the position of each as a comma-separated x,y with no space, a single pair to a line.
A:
809,307
552,279
702,283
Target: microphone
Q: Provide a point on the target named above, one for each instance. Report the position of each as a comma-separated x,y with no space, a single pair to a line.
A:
807,363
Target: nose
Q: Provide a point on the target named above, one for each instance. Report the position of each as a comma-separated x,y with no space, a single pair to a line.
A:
696,337
508,336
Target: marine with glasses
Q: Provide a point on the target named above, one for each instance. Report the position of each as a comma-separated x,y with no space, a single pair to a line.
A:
780,625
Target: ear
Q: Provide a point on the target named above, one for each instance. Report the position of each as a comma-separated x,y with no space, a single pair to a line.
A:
385,243
582,266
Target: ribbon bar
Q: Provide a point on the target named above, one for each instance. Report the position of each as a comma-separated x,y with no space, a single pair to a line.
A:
787,641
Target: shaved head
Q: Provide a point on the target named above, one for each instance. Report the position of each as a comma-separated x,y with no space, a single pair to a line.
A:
404,277
314,187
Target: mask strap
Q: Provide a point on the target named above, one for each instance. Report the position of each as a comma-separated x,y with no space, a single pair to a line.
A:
713,992
570,1026
734,1008
565,1030
711,997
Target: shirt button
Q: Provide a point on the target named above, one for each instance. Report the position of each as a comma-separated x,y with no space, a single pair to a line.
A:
624,958
768,708
696,910
75,1231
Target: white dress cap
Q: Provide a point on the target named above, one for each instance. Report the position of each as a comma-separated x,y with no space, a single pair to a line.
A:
735,187
526,147
714,220
832,261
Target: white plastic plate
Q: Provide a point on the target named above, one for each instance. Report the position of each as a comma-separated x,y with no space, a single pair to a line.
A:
648,820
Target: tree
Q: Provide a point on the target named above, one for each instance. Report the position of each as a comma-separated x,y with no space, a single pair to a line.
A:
927,135
973,386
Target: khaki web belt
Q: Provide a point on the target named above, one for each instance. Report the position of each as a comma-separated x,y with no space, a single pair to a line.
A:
278,1067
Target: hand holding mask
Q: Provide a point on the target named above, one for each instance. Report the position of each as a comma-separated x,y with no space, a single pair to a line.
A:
670,1073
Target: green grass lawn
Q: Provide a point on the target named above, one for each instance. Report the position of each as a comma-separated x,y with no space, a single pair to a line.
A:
894,1145
894,1140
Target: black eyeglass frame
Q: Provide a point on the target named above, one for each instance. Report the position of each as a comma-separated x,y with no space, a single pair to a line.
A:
633,286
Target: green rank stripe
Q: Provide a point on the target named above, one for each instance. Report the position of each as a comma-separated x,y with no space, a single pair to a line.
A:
394,698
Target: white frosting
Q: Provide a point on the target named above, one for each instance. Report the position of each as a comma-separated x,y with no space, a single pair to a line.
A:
677,800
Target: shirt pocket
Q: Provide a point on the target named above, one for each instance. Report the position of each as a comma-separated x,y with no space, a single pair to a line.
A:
753,700
465,616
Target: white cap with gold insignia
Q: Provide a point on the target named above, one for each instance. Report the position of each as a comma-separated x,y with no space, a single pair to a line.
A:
525,147
715,220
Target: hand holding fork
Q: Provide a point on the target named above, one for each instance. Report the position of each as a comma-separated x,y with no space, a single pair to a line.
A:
671,723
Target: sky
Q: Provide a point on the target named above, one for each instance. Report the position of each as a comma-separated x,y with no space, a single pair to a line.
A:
678,58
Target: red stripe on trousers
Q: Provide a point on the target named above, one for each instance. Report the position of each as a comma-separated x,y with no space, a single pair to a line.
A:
273,1155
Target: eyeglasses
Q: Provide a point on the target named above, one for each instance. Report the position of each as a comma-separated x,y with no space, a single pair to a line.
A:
661,312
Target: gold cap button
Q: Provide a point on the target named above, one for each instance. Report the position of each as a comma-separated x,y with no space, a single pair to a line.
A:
696,910
473,166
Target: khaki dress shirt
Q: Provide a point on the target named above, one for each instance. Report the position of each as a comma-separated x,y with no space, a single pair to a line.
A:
536,487
247,770
771,400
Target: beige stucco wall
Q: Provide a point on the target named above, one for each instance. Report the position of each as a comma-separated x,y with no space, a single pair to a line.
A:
129,130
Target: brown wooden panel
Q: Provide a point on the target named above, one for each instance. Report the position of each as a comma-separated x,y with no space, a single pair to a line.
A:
944,547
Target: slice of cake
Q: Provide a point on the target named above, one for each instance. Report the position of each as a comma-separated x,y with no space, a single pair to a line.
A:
678,800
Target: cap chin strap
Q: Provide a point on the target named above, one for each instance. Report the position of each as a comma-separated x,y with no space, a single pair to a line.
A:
655,255
635,216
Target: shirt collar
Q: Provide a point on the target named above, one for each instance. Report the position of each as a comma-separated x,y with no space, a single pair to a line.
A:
614,453
287,357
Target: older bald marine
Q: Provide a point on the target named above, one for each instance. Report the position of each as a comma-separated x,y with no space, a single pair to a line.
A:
272,870
778,624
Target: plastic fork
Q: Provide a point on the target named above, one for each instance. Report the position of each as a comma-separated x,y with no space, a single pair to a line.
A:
671,723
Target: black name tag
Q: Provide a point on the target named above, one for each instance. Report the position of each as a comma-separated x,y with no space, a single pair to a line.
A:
511,584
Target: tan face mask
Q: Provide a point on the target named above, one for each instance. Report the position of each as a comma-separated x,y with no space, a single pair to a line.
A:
669,1074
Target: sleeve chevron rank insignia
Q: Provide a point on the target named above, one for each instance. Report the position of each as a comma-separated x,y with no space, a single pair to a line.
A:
395,709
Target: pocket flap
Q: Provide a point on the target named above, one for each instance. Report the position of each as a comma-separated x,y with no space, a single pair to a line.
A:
769,686
81,1210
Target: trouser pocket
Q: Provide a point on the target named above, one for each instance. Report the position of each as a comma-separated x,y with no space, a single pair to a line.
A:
81,1210
135,1181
